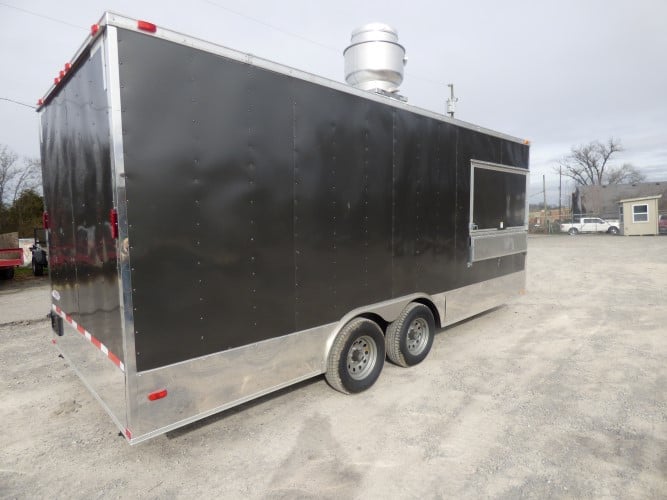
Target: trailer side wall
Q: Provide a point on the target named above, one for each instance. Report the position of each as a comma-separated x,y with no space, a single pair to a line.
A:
267,204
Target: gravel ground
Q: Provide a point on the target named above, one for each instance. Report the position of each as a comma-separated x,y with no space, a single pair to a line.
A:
562,393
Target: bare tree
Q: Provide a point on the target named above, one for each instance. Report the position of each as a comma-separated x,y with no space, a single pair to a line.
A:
8,170
27,178
15,177
587,164
625,174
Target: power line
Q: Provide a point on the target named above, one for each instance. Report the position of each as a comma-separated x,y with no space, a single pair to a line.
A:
18,102
236,13
272,26
306,39
37,14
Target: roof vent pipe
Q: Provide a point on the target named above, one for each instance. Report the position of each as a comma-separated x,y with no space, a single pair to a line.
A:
374,60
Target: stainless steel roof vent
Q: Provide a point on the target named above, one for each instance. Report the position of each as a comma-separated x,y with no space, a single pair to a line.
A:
374,60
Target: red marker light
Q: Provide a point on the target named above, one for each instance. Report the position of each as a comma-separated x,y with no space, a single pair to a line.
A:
154,396
40,102
94,29
45,215
146,26
113,220
68,66
56,80
61,74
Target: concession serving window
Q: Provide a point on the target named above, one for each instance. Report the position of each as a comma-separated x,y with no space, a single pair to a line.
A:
498,212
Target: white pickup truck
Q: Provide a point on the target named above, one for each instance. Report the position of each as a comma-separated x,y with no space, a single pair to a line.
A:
591,225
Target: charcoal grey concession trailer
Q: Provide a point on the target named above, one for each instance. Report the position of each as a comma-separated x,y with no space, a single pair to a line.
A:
221,226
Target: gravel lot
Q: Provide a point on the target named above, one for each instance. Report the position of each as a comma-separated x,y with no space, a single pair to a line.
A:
562,393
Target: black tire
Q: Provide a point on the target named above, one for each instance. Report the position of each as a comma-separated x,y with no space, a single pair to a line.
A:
613,230
410,338
37,269
356,357
573,231
7,273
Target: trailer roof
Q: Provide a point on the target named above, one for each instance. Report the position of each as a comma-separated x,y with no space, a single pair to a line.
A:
113,19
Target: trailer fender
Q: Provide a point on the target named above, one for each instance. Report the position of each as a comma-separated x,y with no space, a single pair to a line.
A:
382,313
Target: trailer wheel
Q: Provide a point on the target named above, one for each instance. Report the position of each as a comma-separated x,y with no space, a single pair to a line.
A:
7,273
410,337
573,231
356,357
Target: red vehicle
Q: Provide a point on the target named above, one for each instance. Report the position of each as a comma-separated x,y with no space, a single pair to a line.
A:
9,259
662,224
10,255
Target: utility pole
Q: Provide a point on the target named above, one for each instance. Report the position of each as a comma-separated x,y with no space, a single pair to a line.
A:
544,192
560,186
451,102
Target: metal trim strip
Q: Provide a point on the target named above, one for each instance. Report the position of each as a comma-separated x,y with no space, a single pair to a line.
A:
498,232
467,301
499,244
120,202
88,42
498,166
157,432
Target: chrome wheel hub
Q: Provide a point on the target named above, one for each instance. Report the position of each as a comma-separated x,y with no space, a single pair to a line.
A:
417,337
361,357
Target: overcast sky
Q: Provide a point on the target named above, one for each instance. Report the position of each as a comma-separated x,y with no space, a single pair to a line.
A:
559,72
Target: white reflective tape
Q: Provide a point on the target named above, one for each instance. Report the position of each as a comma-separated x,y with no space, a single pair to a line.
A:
89,337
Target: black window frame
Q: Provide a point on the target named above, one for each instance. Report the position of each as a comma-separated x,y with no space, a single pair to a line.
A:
520,205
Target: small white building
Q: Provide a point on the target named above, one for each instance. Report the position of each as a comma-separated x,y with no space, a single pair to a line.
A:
639,216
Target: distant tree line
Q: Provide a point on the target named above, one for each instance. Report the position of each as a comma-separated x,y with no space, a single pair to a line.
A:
21,204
